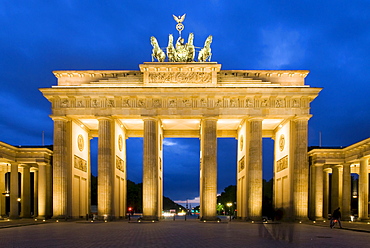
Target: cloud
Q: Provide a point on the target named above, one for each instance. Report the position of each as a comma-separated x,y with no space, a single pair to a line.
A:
195,201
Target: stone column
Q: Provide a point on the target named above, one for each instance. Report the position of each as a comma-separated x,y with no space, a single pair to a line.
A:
363,188
319,191
60,169
300,169
42,191
105,167
49,191
346,192
35,193
150,169
26,193
2,190
326,193
254,166
14,189
335,188
208,183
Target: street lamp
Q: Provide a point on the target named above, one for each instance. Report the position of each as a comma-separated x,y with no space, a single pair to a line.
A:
229,204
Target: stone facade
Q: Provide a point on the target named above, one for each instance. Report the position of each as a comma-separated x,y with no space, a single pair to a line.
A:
171,99
339,163
18,165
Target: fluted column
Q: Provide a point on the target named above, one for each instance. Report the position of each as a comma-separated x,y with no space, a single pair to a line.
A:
60,169
363,196
254,197
325,193
105,167
335,188
300,168
319,191
42,191
14,189
208,183
26,193
346,192
150,169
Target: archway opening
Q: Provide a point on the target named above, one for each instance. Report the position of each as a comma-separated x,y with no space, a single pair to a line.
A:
267,175
180,175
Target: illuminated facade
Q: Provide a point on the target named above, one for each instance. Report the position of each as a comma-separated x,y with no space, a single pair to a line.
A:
174,99
25,181
332,169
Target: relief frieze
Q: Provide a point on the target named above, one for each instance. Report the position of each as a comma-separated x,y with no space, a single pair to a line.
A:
182,102
120,164
80,164
180,77
282,164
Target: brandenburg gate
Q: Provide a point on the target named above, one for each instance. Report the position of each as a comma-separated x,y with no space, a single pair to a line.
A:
179,98
174,99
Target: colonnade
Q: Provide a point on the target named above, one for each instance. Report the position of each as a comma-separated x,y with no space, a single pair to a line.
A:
330,181
25,182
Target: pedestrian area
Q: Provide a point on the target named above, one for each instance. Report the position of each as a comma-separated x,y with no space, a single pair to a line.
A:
180,233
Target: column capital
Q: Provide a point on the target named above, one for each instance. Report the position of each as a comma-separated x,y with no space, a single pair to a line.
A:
337,166
149,117
210,117
319,164
255,118
108,118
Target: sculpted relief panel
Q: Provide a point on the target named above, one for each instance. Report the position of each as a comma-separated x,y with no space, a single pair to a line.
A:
180,77
181,102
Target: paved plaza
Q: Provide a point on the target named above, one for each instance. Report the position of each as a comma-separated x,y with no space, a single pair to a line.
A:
180,233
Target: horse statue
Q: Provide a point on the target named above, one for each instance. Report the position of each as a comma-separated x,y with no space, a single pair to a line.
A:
191,49
157,52
205,52
171,51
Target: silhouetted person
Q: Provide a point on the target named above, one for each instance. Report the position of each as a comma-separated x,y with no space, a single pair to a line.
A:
335,217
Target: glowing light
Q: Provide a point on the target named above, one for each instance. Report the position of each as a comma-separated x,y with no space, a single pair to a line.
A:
19,199
252,221
57,221
314,222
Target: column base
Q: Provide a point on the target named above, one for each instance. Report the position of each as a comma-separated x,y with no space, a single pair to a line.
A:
14,217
